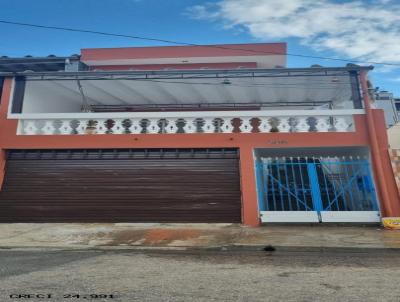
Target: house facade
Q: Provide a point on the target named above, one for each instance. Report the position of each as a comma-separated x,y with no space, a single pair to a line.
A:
217,133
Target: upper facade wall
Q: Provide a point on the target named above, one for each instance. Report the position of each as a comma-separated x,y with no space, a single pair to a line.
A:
263,55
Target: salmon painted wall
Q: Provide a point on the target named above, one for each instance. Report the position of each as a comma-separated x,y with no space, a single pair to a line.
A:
223,50
233,65
383,142
378,142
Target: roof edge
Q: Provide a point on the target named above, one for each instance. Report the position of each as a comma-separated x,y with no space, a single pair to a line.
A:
194,71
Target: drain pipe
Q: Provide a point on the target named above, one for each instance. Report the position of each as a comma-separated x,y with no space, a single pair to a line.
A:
379,173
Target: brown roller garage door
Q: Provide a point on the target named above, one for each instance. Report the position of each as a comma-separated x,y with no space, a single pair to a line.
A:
200,185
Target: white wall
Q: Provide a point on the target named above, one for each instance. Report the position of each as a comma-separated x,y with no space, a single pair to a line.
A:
46,97
394,136
390,112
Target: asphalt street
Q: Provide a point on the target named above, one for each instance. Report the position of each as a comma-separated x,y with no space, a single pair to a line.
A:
200,275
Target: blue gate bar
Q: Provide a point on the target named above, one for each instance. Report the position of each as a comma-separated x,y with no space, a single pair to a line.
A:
325,184
279,184
352,200
273,184
287,184
302,182
370,186
259,181
265,187
357,190
315,191
345,200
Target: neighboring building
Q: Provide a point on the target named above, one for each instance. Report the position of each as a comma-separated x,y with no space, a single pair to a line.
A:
385,100
394,143
397,105
394,136
191,134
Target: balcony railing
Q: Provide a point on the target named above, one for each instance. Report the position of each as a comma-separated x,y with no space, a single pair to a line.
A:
186,122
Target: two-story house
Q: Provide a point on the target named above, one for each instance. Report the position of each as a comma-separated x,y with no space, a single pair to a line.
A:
217,133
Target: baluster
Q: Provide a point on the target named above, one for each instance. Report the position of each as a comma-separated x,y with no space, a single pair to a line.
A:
208,126
30,127
218,123
48,127
227,127
57,125
302,125
245,126
118,128
162,123
340,124
171,126
101,127
81,127
190,126
152,126
65,127
322,124
90,127
264,126
136,127
284,125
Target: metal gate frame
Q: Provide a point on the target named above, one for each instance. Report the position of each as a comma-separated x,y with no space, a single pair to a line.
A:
311,196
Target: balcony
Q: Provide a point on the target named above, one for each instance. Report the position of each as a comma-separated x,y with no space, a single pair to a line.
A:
259,121
191,102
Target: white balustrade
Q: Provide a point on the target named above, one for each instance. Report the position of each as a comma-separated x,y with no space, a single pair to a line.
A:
152,126
48,128
302,125
135,127
227,126
246,126
65,127
118,127
265,125
171,127
101,126
322,124
208,126
187,122
340,124
190,126
82,126
30,128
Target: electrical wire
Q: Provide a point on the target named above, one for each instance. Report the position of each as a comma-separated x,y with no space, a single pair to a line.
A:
191,44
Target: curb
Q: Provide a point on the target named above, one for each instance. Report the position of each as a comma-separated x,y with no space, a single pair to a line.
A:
228,248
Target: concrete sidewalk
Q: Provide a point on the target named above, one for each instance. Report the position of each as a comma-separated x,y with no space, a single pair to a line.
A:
125,235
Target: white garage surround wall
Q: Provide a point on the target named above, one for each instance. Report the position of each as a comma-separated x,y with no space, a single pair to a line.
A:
63,96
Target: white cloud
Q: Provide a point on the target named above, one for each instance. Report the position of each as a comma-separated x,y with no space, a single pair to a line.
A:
368,30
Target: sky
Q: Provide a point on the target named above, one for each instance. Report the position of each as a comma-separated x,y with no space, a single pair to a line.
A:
364,30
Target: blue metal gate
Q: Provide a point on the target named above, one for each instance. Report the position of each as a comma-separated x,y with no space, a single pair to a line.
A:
319,185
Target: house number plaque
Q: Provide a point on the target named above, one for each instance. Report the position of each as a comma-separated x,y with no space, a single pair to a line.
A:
277,142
